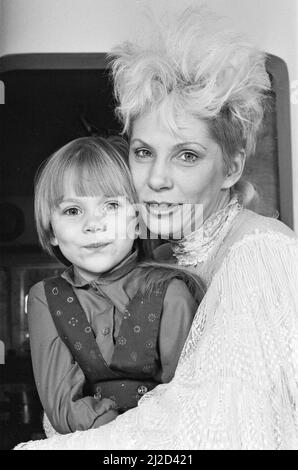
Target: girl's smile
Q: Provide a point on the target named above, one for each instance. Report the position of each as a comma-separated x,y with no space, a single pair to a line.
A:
94,233
95,246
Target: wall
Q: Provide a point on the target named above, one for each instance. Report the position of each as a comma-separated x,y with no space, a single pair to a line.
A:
97,25
273,25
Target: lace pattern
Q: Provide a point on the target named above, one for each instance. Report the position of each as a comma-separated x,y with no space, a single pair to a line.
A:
203,243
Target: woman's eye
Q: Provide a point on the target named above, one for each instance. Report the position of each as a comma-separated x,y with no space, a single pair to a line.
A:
142,153
189,157
72,211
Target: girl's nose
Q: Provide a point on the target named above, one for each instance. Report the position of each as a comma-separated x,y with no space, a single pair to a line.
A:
95,223
159,178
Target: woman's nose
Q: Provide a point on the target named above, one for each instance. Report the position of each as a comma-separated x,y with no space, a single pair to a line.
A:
95,223
159,178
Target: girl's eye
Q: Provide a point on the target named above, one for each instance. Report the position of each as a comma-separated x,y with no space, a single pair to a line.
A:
142,153
189,157
111,206
72,211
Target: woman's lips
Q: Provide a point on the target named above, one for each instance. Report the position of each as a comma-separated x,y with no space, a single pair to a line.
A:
164,208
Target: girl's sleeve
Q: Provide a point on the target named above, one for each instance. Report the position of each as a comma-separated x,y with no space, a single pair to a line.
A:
58,378
179,309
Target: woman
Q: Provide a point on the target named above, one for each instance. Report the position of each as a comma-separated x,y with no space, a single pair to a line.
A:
192,103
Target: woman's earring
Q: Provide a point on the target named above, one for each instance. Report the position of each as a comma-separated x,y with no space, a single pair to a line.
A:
137,231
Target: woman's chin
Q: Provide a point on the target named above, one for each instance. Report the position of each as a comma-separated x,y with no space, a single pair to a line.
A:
174,225
161,229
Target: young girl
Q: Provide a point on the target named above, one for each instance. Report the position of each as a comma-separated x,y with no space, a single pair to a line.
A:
108,329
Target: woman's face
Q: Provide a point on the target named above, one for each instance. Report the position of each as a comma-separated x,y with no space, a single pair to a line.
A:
176,176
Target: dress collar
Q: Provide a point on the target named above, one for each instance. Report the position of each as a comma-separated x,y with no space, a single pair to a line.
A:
197,247
72,276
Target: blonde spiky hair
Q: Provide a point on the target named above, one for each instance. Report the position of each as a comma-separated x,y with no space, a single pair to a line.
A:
195,66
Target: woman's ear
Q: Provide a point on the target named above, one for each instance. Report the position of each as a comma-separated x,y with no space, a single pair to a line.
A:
235,169
137,231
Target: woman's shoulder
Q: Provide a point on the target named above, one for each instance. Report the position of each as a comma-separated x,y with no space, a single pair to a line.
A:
262,222
255,234
251,226
259,251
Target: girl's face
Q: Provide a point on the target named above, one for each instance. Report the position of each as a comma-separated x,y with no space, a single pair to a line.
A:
94,233
176,176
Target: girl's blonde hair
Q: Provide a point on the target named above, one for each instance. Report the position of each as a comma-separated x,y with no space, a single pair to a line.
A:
91,166
194,66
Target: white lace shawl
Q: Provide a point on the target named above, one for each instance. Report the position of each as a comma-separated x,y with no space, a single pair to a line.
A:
236,385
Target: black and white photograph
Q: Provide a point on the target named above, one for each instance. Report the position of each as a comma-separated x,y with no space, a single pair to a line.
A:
148,227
